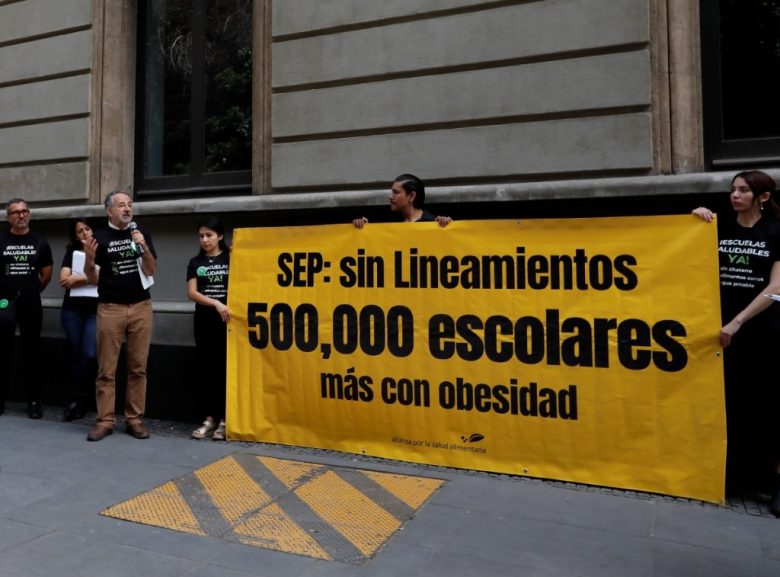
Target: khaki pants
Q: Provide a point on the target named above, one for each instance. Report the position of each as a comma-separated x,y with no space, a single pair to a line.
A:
115,323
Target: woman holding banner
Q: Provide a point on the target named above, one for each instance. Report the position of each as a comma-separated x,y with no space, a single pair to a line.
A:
207,285
749,253
407,197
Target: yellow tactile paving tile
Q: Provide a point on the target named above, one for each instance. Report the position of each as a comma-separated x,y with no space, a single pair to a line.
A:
233,492
413,491
321,511
272,528
291,473
364,523
161,507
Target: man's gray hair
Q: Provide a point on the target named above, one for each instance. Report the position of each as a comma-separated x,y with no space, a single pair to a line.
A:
109,202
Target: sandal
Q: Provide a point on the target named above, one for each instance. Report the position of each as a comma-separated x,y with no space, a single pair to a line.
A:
219,434
204,430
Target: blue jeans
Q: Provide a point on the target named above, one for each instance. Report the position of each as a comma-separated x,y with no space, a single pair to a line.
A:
79,329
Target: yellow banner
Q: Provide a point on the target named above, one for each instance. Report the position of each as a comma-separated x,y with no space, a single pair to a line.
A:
582,349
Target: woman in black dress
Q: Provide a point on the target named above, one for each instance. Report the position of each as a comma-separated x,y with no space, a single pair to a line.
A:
207,285
749,260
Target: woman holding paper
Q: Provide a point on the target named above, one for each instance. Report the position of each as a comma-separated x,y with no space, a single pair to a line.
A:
749,254
79,309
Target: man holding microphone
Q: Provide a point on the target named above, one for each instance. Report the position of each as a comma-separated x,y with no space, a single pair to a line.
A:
120,260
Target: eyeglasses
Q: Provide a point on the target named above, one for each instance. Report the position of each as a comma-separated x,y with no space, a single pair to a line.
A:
22,212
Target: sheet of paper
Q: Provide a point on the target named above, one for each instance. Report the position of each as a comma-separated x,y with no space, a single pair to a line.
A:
146,280
77,266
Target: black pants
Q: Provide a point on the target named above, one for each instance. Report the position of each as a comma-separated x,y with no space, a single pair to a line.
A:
29,317
211,342
751,408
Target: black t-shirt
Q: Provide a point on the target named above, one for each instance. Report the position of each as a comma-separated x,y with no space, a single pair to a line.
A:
119,280
212,276
22,256
426,217
746,257
80,303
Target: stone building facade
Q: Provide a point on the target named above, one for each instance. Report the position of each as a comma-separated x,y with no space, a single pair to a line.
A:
503,107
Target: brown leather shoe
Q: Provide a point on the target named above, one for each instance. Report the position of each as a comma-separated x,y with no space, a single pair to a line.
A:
137,430
99,433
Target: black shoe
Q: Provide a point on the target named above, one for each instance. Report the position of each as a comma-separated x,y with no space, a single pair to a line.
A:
774,504
74,411
34,410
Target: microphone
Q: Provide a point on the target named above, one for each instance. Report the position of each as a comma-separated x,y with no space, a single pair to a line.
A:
136,247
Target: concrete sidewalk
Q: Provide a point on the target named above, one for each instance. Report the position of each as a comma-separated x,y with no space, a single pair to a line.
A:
53,484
